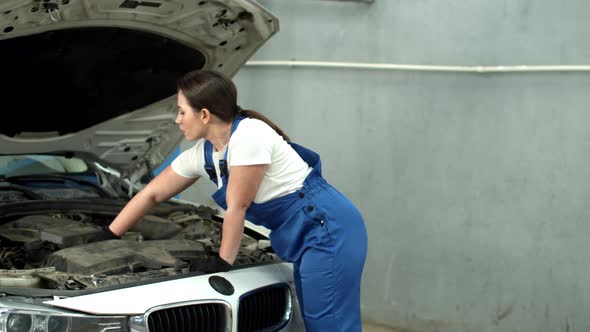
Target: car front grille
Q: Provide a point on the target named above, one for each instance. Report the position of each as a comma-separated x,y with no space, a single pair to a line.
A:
265,309
203,317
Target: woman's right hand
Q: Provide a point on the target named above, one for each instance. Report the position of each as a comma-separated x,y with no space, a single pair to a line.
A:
107,234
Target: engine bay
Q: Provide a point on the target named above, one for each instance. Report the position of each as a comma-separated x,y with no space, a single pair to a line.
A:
59,248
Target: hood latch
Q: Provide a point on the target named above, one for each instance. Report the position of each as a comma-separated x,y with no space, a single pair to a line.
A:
53,10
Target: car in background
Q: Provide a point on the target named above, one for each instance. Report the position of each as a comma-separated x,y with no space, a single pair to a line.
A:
89,97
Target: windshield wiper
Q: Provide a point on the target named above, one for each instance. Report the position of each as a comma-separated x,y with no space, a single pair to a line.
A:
56,178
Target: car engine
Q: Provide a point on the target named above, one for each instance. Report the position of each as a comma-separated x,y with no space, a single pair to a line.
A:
60,248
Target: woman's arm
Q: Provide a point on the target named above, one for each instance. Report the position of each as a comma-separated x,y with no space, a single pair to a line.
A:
243,184
162,188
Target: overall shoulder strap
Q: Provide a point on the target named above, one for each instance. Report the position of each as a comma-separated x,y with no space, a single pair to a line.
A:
223,166
209,168
208,151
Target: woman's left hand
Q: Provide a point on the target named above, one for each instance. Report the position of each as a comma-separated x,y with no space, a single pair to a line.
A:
212,265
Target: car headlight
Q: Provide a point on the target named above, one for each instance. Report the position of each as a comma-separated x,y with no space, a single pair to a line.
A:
37,321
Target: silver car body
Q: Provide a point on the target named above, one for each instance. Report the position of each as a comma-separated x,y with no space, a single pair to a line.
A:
122,144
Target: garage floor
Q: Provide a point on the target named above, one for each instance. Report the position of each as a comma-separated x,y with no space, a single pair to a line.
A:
377,328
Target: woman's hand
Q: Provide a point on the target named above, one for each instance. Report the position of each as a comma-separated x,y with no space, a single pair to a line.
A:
106,234
212,265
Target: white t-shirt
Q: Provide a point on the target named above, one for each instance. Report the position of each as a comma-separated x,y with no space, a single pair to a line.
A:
253,143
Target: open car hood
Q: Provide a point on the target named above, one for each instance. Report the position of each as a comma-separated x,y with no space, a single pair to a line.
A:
97,78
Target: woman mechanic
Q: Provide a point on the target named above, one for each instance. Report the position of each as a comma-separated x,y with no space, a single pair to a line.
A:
272,182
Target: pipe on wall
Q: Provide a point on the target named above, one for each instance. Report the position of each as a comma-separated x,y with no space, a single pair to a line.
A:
407,67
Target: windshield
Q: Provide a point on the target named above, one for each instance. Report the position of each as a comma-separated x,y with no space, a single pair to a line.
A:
40,177
18,165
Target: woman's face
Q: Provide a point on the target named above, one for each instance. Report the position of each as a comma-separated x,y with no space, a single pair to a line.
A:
188,120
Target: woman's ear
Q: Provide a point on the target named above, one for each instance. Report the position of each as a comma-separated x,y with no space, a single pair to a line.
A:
205,115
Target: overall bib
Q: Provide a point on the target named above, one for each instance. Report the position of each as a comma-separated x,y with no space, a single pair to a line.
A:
322,233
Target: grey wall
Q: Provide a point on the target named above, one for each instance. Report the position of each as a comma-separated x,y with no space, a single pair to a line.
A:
474,186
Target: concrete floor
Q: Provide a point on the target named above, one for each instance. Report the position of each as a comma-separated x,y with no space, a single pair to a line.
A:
367,327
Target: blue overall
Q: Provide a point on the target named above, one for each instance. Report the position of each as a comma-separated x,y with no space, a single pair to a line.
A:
322,233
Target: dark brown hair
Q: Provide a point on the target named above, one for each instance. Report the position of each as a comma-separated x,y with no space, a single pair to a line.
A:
217,93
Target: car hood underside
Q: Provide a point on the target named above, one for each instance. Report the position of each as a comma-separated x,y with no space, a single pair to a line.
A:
97,78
